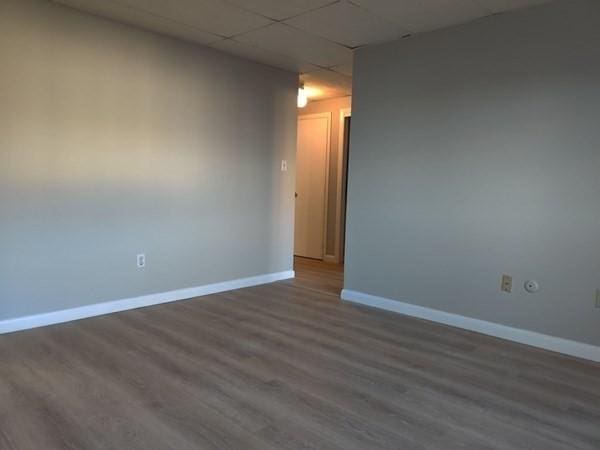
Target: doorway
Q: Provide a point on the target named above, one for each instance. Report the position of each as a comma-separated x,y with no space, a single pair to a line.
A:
321,193
345,124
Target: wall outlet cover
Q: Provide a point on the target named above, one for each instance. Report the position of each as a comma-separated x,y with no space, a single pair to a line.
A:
506,285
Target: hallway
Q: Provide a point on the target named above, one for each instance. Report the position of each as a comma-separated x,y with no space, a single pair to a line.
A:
319,276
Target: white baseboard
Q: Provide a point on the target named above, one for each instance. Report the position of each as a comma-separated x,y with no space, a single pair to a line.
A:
555,344
98,309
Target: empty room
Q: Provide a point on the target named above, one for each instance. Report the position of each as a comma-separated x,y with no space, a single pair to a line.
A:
299,224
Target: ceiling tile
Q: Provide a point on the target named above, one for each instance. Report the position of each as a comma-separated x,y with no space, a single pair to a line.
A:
281,9
348,25
141,19
298,44
326,84
425,15
213,16
344,69
497,6
255,53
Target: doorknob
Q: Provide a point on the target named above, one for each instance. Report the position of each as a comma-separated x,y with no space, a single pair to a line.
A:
295,194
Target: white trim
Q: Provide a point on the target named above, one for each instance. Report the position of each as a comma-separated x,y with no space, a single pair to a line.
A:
555,344
99,309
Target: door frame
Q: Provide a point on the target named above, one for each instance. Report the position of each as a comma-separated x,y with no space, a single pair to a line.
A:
324,115
340,188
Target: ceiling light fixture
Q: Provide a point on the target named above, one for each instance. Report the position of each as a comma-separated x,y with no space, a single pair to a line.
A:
302,97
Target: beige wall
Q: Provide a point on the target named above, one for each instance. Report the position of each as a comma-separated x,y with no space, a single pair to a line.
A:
334,106
116,141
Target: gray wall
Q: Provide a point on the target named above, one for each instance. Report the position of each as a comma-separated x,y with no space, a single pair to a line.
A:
476,152
114,142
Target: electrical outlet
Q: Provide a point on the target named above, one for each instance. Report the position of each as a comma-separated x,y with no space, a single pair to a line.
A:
506,285
141,260
284,165
597,298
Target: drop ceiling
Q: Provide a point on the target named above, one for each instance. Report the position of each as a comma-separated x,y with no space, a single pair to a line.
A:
315,38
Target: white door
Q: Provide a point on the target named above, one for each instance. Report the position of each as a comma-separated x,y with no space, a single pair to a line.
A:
311,179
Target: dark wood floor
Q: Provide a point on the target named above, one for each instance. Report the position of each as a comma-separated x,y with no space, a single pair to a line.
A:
287,366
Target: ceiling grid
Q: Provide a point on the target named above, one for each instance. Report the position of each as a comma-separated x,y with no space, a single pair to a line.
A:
315,38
